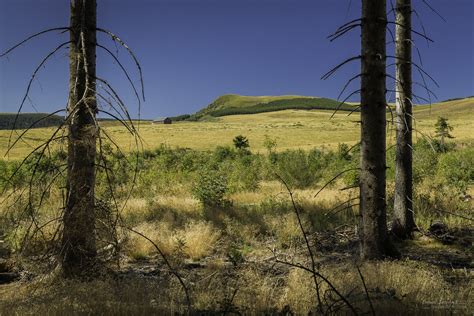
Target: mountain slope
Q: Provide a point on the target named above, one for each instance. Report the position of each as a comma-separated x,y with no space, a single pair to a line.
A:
232,104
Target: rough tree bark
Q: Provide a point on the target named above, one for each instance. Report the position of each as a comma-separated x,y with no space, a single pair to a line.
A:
375,242
78,252
403,222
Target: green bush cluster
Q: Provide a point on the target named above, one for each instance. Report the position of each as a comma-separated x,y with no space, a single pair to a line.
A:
211,189
214,175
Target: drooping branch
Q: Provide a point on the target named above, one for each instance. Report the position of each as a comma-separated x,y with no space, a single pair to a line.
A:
333,179
124,71
421,24
347,84
165,259
308,246
417,66
340,32
35,72
434,10
347,98
33,36
115,38
412,30
29,128
336,68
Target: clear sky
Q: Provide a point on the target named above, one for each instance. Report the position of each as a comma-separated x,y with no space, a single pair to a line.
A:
192,51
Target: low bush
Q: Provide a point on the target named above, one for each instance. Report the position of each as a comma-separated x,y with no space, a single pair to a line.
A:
211,188
456,168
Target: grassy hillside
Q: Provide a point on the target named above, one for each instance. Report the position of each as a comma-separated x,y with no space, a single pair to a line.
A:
291,129
233,104
241,101
455,108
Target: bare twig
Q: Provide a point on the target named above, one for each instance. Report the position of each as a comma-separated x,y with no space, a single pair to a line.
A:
366,291
33,36
336,68
173,271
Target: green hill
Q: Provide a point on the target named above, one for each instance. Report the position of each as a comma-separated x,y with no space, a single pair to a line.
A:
232,104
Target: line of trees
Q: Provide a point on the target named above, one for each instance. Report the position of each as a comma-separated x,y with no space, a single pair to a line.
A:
29,120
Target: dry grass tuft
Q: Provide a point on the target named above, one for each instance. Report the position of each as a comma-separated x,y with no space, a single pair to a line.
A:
199,239
160,233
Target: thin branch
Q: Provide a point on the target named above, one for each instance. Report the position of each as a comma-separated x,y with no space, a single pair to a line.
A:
173,271
308,247
333,179
366,291
336,68
333,288
412,30
341,204
30,127
29,86
421,24
434,10
343,31
124,71
33,36
344,101
347,84
115,38
417,66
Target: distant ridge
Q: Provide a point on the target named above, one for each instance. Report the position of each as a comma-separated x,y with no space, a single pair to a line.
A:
27,120
233,104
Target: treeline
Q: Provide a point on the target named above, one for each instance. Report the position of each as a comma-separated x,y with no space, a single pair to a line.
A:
27,120
457,99
183,117
287,104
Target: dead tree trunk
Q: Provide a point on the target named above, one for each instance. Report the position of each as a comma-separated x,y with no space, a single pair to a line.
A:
403,221
78,252
375,242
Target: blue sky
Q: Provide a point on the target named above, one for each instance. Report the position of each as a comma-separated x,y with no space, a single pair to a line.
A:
192,51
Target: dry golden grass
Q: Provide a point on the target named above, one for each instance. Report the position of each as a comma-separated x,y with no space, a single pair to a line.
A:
199,239
291,129
396,288
196,239
175,222
410,281
160,233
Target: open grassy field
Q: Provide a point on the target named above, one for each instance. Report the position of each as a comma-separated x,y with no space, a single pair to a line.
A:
223,219
291,129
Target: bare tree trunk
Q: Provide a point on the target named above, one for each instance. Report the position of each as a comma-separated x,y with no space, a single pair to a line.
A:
403,221
375,242
78,252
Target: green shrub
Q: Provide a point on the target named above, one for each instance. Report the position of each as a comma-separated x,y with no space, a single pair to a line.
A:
222,153
457,168
241,142
425,159
298,169
211,189
244,173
